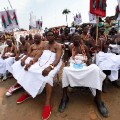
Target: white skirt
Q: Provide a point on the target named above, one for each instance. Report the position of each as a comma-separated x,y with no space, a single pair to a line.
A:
89,76
6,64
32,80
109,61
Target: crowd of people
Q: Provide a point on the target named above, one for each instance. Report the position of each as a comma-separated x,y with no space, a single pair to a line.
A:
87,63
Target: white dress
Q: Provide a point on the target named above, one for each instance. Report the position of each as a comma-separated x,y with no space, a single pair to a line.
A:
5,64
87,76
115,48
109,61
32,80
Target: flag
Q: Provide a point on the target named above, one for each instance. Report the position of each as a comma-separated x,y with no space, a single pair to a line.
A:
9,20
32,24
117,11
15,18
3,21
77,19
98,7
8,17
92,18
38,24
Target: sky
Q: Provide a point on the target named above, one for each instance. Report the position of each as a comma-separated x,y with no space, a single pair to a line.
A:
51,10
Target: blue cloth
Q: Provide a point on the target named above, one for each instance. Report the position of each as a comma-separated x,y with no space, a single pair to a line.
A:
78,66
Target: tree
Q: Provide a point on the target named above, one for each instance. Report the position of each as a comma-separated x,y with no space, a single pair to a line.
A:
66,12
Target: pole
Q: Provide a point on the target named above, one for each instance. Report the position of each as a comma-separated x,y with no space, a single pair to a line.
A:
66,20
97,22
118,25
10,4
96,41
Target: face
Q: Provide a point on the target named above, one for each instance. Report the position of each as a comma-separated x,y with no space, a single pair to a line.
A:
22,40
50,37
67,31
37,39
76,40
9,42
85,30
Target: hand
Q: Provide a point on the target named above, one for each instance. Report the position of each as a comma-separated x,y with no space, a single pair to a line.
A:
4,57
46,71
22,62
17,58
27,66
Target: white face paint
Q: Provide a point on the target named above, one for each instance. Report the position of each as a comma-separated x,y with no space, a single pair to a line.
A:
78,62
79,59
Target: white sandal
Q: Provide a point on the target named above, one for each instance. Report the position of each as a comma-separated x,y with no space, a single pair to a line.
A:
11,90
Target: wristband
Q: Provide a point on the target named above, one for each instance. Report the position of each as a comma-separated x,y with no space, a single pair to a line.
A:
52,66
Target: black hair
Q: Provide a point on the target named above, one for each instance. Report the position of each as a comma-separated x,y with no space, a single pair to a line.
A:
50,31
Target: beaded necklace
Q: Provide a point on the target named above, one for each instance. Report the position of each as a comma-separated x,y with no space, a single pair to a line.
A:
45,62
82,50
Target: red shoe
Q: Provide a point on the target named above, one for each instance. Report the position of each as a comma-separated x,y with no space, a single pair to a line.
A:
46,112
23,98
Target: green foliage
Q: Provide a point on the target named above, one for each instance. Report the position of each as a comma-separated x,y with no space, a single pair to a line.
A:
66,11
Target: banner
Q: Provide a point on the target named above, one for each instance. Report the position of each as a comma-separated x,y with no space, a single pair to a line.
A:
32,24
92,18
38,24
117,13
77,19
9,20
98,7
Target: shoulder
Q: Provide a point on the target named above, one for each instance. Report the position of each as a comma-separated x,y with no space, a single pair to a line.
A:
58,45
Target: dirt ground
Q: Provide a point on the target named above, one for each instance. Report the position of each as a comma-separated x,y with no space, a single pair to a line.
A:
81,105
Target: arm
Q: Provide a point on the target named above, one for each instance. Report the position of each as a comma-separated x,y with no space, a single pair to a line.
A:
35,59
28,54
15,51
58,55
89,60
28,48
18,54
3,55
23,59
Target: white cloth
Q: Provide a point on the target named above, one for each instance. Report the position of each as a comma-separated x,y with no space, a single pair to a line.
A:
2,47
89,76
32,80
115,48
5,64
109,61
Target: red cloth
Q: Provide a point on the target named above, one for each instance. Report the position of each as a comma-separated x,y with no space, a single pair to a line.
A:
95,7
